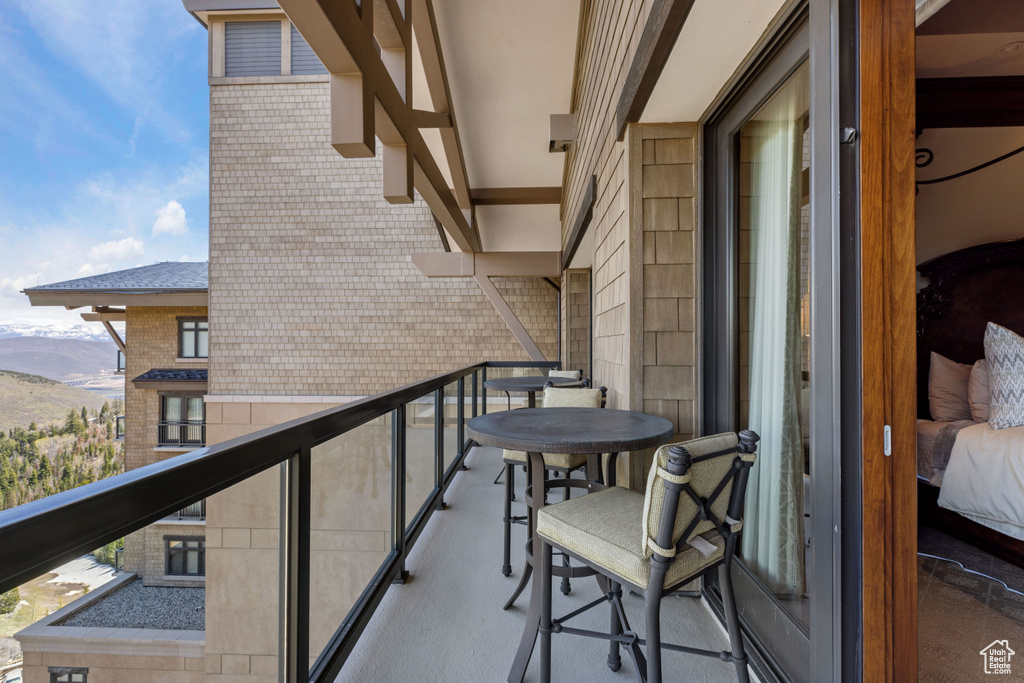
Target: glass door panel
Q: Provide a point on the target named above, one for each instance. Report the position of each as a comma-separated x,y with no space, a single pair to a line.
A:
774,337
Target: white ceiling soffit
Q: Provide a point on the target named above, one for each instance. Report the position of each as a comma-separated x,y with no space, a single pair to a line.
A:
510,66
973,54
717,36
526,227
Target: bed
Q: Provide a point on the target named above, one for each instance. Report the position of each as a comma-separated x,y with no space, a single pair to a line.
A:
971,477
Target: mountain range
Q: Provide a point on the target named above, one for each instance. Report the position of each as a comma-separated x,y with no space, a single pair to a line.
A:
58,359
51,331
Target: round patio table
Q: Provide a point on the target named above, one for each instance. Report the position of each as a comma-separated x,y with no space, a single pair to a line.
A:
530,385
583,431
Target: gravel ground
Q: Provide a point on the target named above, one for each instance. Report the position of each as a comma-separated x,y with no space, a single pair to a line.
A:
136,606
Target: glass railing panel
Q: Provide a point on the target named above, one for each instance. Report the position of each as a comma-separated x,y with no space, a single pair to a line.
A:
350,523
451,423
420,466
240,558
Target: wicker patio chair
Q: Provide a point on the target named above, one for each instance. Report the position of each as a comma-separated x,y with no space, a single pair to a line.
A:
683,528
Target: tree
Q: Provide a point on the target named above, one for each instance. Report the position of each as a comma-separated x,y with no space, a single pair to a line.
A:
9,601
85,415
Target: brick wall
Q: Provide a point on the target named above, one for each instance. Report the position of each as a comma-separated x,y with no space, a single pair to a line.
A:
151,339
311,287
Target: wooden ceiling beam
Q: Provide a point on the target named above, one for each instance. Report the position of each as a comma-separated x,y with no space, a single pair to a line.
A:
429,43
978,102
366,103
656,42
489,196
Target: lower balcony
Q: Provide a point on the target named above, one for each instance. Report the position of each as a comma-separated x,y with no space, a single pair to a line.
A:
181,434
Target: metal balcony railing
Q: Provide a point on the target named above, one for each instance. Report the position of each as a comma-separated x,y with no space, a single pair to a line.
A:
41,535
119,427
196,510
120,361
184,433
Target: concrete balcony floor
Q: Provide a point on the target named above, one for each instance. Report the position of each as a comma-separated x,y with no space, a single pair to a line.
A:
446,622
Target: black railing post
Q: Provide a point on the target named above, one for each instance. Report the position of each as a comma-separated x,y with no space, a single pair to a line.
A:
483,390
460,429
476,374
439,408
398,490
294,568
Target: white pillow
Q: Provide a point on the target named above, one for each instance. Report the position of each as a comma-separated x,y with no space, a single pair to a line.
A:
978,392
947,389
1004,351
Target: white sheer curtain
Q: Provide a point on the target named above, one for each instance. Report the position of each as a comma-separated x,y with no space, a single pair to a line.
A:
772,541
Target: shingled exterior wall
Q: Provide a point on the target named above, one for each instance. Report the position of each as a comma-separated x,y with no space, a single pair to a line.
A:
151,338
644,260
314,301
311,286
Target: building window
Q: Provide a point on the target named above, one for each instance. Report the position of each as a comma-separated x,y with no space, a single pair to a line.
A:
304,60
186,555
252,48
193,338
68,674
182,421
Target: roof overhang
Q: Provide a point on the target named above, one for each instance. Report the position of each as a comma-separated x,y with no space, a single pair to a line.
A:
203,9
709,48
172,380
460,96
171,386
78,299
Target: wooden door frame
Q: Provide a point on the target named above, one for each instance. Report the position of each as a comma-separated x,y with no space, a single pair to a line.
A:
888,392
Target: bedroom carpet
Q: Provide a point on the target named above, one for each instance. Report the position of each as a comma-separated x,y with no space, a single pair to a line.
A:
960,613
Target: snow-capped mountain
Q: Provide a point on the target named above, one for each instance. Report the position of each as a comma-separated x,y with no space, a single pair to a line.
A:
55,331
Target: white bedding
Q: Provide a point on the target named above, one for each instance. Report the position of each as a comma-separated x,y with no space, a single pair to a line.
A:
984,480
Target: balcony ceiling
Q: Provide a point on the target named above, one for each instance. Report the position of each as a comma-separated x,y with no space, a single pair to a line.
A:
716,38
510,66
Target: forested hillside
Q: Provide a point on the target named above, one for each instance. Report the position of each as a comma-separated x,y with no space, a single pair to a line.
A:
46,459
30,398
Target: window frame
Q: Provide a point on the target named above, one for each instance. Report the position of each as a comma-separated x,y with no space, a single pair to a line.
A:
195,333
184,423
57,672
201,550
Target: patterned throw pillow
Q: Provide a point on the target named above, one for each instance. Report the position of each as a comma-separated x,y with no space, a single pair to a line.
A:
1004,351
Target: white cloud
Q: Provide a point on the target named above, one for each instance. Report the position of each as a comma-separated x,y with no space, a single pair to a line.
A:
89,269
116,250
12,286
171,219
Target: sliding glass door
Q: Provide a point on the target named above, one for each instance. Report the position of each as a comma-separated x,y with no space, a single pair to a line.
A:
771,357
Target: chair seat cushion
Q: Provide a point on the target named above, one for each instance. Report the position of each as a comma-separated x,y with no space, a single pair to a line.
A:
565,461
605,529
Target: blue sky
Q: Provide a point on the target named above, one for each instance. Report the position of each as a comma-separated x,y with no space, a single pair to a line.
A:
103,142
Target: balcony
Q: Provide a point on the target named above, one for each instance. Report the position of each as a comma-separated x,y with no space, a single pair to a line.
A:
120,362
194,512
183,434
119,428
388,474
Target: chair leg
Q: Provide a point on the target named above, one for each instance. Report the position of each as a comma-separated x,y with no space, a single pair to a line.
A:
615,628
545,614
506,567
566,586
732,621
653,634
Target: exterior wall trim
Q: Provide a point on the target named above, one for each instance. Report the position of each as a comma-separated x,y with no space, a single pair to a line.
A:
44,636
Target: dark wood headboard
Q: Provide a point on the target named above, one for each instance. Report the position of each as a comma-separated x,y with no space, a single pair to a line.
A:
967,289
